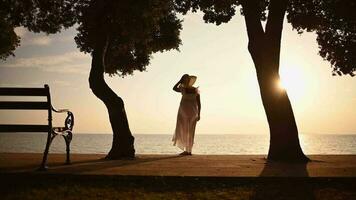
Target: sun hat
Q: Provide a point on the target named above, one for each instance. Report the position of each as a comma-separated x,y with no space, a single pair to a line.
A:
192,80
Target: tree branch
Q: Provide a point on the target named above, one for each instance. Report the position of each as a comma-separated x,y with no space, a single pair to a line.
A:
252,19
273,33
274,26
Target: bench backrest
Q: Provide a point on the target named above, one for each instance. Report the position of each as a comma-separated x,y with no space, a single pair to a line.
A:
26,105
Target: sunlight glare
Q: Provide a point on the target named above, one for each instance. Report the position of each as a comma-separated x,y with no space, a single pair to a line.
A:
293,80
280,85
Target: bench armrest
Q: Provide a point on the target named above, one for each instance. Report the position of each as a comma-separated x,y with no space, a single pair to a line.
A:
59,110
69,121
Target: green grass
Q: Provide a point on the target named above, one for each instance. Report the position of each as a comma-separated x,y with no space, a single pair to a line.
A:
53,188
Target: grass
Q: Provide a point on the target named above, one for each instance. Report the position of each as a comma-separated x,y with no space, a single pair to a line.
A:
67,187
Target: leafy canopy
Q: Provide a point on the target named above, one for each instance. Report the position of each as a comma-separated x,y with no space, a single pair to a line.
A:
132,29
136,29
334,22
48,16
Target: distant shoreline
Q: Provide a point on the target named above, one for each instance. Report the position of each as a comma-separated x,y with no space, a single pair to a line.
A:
213,134
162,144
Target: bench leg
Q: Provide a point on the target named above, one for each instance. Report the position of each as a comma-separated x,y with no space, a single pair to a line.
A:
50,138
68,139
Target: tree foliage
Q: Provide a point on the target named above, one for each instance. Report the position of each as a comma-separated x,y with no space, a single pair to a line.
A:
333,21
8,40
48,16
217,11
136,29
133,29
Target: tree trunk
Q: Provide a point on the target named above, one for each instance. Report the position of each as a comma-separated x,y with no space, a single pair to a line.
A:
123,141
264,47
284,141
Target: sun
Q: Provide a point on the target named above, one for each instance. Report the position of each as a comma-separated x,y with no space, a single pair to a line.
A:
294,81
280,85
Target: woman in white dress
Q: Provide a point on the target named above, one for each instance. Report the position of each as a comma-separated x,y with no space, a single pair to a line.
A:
188,114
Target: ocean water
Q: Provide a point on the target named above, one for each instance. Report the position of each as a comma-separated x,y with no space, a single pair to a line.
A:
161,144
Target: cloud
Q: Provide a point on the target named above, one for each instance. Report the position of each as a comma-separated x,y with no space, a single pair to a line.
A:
39,41
36,84
26,84
68,38
36,40
70,62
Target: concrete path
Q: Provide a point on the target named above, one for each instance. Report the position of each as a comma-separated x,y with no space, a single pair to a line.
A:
173,165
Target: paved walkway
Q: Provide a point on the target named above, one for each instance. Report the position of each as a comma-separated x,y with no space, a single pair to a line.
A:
173,165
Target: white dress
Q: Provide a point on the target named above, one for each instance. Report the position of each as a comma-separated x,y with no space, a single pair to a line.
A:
186,121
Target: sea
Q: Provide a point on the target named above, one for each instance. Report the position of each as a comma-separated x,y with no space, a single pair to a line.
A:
227,144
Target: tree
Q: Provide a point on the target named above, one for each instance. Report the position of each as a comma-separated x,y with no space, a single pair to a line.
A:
120,35
335,25
48,16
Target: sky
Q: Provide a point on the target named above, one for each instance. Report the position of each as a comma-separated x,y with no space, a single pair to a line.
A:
217,55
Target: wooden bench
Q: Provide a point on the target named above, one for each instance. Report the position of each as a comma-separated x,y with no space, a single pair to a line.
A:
65,131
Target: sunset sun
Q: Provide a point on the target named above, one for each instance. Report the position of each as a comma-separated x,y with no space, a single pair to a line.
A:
293,80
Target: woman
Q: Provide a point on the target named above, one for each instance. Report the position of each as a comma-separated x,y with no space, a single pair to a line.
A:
188,114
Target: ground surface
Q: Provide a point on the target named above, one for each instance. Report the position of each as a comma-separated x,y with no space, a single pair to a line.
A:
173,165
173,177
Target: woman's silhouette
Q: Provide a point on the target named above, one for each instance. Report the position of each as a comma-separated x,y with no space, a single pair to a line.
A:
188,114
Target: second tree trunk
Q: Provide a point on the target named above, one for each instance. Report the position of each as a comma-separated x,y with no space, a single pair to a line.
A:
284,140
123,141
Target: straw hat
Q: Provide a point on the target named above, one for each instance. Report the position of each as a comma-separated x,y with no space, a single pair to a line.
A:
192,80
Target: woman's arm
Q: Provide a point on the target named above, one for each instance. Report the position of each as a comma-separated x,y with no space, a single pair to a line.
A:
199,106
176,86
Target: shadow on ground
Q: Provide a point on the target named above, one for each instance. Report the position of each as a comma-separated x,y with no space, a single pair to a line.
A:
296,188
102,164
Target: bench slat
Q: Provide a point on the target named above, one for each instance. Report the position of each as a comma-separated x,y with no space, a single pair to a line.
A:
8,91
23,128
19,105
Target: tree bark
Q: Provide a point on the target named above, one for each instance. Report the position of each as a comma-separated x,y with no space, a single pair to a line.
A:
264,48
123,141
